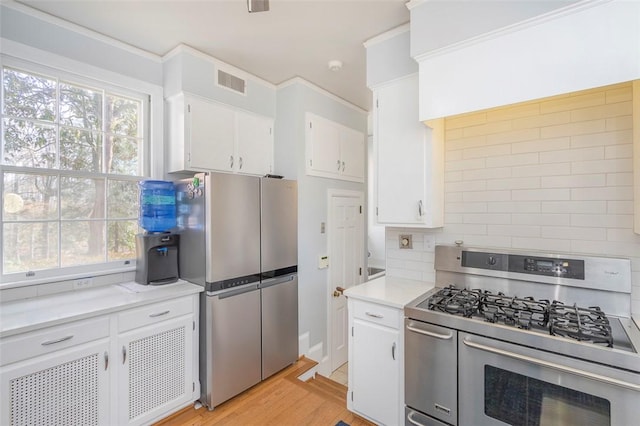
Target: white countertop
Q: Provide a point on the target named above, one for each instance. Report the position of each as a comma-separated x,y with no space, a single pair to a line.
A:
390,291
38,312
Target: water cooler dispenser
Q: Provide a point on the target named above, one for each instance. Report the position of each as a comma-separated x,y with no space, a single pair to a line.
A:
157,258
157,249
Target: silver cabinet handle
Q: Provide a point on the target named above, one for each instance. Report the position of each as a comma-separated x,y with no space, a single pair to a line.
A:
159,314
369,314
420,213
338,165
393,351
563,368
231,161
53,342
412,421
343,166
430,333
124,354
240,163
106,360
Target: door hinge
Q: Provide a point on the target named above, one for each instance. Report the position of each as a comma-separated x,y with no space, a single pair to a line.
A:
351,331
351,396
193,386
188,108
360,271
360,209
310,125
376,211
194,326
377,105
311,162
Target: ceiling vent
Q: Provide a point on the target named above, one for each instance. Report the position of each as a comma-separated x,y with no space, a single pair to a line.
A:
231,82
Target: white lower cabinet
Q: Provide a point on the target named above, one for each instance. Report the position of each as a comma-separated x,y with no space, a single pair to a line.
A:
132,367
376,362
154,370
66,387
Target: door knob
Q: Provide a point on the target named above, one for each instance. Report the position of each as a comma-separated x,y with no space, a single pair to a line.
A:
338,292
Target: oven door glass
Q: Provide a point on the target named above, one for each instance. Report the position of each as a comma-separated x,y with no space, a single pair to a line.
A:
520,400
505,384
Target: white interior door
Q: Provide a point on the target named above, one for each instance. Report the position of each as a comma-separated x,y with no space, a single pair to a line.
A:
345,234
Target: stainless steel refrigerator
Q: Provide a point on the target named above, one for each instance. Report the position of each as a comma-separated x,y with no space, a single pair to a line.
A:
239,240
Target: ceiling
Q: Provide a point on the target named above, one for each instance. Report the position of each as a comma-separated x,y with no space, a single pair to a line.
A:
295,38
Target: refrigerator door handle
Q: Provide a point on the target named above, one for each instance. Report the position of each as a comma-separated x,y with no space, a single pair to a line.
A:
277,280
232,293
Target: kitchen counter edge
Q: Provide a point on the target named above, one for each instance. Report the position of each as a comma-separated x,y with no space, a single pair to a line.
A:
389,291
35,313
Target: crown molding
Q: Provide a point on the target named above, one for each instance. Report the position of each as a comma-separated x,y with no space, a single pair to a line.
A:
324,92
186,49
519,26
387,35
11,4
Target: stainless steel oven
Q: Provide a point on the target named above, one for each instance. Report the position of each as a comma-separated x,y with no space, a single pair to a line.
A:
478,354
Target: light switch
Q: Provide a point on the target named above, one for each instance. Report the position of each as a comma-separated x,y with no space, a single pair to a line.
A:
322,227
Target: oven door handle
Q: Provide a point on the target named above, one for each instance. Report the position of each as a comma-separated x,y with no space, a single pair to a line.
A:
430,333
563,368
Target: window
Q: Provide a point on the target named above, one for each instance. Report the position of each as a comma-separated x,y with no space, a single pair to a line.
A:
72,155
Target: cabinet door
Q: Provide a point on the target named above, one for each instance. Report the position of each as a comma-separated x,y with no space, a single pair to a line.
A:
69,386
155,367
255,144
211,135
323,147
376,371
352,154
400,141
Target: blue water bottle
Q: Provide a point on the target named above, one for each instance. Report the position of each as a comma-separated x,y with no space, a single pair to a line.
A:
157,205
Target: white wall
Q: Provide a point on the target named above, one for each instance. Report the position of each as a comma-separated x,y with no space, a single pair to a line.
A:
552,175
437,24
595,45
388,57
294,99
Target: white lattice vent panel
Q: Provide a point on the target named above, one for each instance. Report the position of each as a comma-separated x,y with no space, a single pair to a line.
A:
156,371
66,394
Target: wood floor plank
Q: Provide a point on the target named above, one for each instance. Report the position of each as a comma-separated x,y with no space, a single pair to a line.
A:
280,400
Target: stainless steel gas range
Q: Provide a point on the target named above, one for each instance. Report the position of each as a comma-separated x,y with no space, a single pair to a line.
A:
513,338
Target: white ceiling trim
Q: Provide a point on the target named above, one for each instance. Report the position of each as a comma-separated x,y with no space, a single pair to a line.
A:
300,80
79,29
387,35
183,48
537,20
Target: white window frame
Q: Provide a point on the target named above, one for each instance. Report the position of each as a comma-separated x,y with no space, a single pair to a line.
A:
152,110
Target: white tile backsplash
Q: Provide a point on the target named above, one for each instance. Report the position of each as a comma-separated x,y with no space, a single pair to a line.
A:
553,175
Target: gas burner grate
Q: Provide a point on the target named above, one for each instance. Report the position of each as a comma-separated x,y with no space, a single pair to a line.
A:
521,312
583,324
456,301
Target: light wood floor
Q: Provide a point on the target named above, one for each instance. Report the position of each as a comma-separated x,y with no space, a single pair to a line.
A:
280,400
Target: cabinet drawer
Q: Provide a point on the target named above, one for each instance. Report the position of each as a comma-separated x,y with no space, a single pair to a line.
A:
154,313
379,314
51,339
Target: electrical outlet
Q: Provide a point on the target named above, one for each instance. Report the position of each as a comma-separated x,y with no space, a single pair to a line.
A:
82,283
406,241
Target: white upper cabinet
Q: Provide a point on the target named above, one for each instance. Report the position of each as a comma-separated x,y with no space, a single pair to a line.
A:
254,143
333,150
409,158
206,135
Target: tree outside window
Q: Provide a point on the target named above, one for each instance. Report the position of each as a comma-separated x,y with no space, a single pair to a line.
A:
72,156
